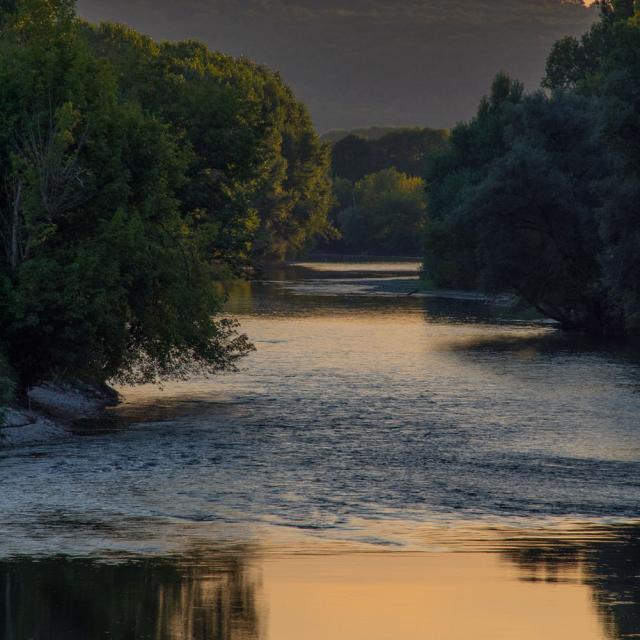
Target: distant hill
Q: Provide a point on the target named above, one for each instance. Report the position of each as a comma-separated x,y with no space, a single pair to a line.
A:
368,133
354,156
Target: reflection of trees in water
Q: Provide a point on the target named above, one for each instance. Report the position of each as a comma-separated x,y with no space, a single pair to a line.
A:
610,566
552,343
194,598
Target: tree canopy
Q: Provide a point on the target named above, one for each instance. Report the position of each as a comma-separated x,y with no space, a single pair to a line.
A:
354,156
259,180
384,214
537,194
134,175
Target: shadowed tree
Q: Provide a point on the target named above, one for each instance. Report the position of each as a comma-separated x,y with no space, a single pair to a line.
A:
102,277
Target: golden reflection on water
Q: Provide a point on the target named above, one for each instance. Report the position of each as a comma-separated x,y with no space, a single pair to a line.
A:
564,585
443,596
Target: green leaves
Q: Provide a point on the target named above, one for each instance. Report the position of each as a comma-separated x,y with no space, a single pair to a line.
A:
257,182
537,194
407,150
106,262
387,215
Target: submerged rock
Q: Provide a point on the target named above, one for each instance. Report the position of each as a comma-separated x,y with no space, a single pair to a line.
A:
22,427
69,401
51,410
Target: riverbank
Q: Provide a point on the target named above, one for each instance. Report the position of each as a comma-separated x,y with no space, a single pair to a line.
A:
407,279
421,288
50,409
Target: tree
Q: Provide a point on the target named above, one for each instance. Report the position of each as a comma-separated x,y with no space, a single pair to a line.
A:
259,180
619,220
295,201
104,278
606,63
406,150
536,194
388,215
352,158
451,176
535,212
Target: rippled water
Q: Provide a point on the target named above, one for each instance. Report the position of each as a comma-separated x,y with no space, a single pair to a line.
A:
364,415
367,420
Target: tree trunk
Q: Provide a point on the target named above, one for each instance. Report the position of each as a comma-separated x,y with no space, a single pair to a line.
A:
14,252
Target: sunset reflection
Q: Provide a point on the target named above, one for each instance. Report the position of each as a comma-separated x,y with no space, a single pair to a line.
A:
528,590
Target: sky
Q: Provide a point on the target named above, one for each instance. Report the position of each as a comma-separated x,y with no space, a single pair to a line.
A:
370,62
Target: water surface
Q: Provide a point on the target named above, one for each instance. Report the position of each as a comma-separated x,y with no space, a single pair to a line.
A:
383,461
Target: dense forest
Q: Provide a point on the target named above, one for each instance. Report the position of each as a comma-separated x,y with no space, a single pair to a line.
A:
379,204
538,194
134,174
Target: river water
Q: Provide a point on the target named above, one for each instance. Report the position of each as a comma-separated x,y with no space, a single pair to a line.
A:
383,466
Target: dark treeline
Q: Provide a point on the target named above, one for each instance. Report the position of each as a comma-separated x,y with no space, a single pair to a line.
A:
355,157
379,203
133,174
538,194
368,133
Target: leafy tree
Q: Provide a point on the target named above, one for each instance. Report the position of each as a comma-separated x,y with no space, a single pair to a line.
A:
104,277
523,196
619,221
295,200
605,63
406,150
343,193
352,158
388,215
537,194
452,174
610,46
368,133
355,231
396,155
259,181
535,212
7,384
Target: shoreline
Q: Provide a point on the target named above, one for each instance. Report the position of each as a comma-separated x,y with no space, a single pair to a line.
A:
51,408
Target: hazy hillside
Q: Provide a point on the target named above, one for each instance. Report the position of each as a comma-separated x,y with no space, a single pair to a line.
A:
368,133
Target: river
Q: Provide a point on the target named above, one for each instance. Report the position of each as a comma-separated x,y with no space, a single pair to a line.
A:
383,466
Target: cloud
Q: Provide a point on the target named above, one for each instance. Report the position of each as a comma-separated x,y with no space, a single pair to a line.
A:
360,62
423,11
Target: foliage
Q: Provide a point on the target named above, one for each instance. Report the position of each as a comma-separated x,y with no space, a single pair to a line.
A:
368,133
135,173
390,222
107,269
354,157
535,212
538,193
259,181
7,384
451,176
386,215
